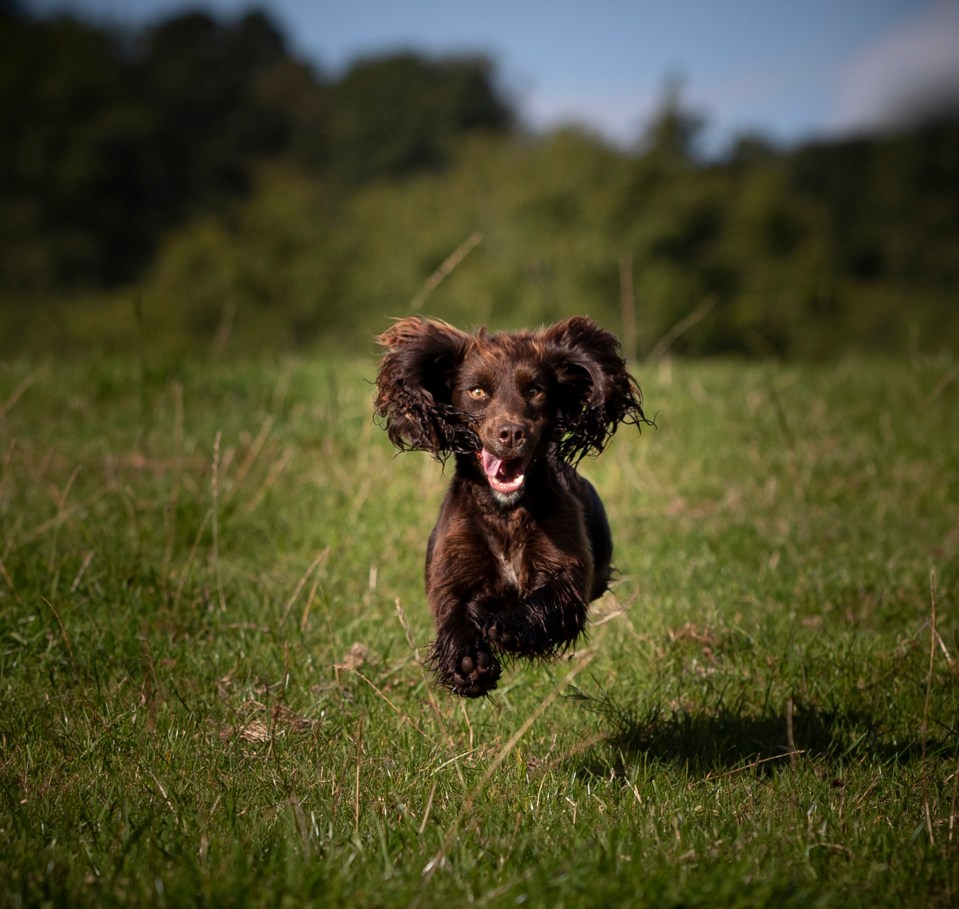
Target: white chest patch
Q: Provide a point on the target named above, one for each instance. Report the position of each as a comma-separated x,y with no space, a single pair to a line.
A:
509,572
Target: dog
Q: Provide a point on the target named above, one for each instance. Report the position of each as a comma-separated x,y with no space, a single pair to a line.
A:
522,544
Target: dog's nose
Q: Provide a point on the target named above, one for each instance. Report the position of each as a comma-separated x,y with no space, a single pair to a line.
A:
511,434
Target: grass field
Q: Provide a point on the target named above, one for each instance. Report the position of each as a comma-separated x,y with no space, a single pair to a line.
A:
212,625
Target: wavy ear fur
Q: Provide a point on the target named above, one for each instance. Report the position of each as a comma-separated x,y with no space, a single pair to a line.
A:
596,391
414,386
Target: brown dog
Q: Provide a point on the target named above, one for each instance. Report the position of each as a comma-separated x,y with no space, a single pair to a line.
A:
522,544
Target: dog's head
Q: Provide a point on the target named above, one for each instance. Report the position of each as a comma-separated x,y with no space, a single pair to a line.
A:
506,398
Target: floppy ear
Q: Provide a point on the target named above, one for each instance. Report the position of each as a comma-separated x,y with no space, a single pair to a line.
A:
596,391
414,385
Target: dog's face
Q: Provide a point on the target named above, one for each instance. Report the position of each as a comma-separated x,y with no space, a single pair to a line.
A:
505,398
505,390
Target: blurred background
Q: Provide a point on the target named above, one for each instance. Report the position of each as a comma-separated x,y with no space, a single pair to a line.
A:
748,178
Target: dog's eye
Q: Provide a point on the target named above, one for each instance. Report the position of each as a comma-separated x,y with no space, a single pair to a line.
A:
477,393
534,391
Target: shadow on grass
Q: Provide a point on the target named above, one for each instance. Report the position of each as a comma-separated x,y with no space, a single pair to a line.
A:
717,741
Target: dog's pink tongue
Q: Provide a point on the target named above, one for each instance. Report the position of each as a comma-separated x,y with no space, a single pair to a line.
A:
491,464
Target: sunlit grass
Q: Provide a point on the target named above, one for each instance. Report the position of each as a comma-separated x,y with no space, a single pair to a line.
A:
212,621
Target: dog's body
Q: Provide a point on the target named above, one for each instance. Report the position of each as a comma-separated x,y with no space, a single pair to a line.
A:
522,544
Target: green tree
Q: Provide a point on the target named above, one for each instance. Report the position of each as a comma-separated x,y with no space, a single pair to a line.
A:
109,139
72,156
200,76
397,114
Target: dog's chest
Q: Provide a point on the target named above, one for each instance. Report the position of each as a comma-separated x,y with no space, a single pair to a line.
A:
513,554
510,570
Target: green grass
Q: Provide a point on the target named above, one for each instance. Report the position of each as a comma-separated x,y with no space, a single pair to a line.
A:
212,626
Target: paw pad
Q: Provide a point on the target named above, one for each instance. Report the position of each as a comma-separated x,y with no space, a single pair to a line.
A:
476,674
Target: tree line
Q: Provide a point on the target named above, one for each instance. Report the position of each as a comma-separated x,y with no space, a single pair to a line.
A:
111,138
199,166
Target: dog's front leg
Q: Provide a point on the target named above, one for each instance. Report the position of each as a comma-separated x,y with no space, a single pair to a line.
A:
548,619
555,616
462,660
458,572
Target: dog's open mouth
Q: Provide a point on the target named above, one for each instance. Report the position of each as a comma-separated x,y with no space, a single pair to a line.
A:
505,475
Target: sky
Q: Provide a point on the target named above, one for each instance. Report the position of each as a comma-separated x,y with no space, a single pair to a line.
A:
785,70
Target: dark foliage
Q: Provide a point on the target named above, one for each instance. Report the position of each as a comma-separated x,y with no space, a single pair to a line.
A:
110,139
116,146
397,114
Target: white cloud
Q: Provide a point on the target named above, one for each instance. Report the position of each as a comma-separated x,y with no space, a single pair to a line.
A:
911,72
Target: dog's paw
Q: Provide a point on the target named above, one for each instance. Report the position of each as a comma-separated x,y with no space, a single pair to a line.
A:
511,637
476,673
502,635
